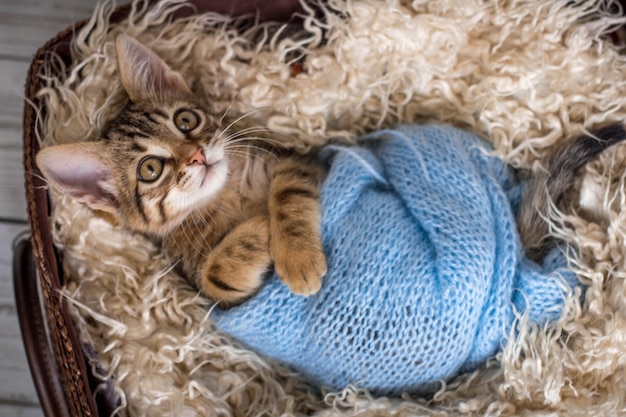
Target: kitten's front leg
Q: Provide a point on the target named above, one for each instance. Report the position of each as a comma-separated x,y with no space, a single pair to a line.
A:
295,241
235,268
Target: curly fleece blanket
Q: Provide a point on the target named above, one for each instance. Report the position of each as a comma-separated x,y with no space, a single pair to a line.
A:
425,267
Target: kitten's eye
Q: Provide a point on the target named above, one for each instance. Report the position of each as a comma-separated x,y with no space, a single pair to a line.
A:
186,120
150,169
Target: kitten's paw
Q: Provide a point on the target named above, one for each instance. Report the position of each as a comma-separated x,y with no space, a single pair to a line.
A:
302,270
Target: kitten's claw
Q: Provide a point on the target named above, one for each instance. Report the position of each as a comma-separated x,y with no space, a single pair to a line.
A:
302,271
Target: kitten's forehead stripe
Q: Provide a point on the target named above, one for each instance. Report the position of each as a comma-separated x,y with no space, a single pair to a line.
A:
138,147
155,112
139,204
141,124
132,134
159,113
136,123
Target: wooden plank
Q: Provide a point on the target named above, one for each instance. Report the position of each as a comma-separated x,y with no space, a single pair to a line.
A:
12,83
27,25
12,190
19,410
16,385
12,80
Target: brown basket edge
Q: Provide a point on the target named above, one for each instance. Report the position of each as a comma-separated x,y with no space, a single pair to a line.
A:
72,374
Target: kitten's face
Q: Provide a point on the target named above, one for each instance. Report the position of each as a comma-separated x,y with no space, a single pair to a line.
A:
171,162
161,158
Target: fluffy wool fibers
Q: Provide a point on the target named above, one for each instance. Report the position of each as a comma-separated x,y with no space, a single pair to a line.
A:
523,74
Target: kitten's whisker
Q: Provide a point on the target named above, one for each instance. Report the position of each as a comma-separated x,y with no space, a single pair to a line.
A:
237,149
236,145
259,128
204,225
257,148
248,158
237,120
251,139
255,129
240,134
209,217
246,144
219,122
191,242
245,155
279,134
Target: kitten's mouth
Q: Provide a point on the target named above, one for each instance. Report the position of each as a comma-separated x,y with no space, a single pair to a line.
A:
209,168
213,159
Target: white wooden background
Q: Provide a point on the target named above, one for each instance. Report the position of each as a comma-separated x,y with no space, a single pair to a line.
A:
25,25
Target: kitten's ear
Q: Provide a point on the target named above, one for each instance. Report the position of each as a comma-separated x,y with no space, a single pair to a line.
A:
144,74
79,171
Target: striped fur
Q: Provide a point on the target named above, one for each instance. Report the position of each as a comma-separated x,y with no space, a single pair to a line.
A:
218,193
548,185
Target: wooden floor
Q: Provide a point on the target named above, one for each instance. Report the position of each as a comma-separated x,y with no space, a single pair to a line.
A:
25,25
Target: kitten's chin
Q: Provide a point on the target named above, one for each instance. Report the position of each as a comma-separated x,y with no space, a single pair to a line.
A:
207,184
214,176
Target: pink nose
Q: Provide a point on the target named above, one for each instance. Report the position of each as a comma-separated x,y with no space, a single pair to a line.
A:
197,157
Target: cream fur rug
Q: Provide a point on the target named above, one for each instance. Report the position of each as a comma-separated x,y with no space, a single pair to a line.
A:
524,74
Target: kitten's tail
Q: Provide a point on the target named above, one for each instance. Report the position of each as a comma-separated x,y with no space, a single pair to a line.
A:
549,185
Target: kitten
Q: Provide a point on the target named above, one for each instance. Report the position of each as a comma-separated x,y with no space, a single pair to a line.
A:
223,206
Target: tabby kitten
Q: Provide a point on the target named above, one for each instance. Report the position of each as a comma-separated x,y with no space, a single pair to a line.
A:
223,206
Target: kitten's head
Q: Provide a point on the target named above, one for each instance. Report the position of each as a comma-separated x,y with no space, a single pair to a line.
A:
160,159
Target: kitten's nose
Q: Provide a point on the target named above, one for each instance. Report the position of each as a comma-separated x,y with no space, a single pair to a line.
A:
197,158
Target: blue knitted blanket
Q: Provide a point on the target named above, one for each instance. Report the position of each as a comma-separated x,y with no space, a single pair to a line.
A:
425,268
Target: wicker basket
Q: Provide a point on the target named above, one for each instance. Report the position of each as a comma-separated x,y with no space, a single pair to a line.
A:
63,380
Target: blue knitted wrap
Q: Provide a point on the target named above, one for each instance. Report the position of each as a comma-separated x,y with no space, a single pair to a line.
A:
425,268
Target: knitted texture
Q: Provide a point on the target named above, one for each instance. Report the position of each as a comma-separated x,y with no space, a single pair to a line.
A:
425,268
